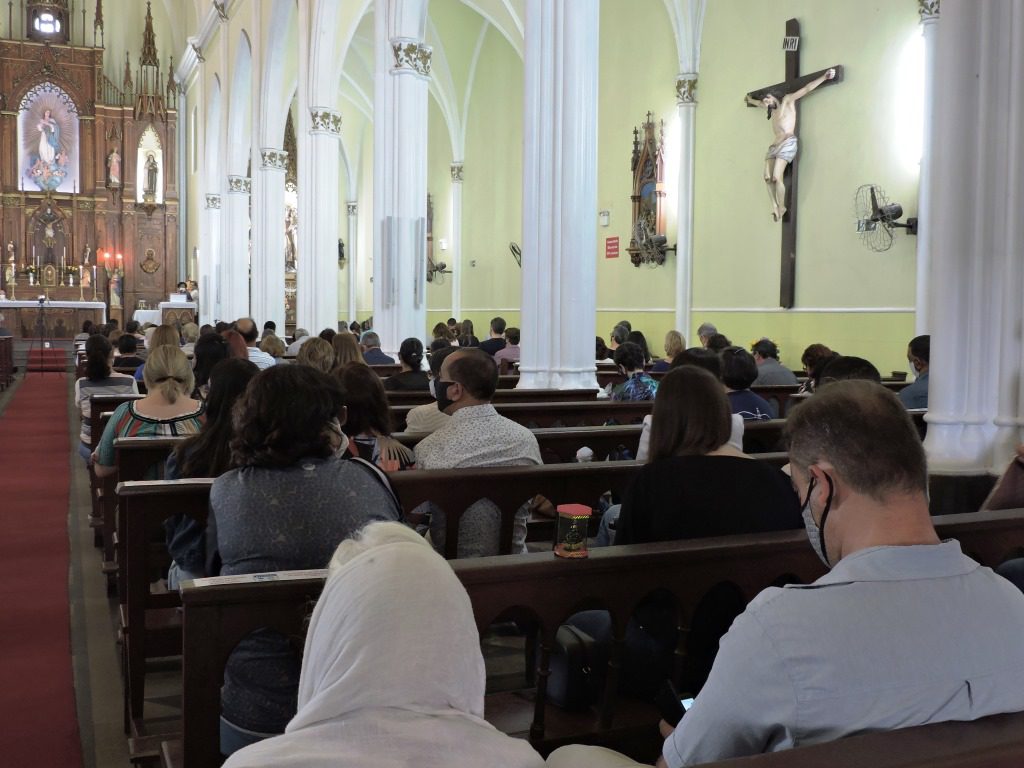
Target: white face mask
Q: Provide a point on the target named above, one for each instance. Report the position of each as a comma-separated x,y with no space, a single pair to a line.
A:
814,533
430,386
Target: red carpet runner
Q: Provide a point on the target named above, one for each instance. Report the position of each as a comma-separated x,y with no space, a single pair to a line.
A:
38,724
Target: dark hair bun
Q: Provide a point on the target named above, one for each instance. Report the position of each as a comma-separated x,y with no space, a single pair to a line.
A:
411,352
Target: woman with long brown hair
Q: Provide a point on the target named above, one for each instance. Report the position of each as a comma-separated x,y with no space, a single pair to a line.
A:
695,484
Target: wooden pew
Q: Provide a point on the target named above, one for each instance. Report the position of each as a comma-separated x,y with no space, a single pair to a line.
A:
219,612
575,414
150,624
6,361
101,490
505,395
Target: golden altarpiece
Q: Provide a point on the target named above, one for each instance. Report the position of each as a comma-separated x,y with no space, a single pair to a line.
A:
88,179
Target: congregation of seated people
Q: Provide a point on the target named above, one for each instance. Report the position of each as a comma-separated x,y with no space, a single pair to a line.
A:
297,432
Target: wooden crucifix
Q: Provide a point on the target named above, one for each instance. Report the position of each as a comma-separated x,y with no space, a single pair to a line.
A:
780,166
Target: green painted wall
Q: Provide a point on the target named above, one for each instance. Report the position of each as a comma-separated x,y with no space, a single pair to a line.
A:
851,134
492,190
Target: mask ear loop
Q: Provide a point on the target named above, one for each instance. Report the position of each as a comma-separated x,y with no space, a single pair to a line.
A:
824,516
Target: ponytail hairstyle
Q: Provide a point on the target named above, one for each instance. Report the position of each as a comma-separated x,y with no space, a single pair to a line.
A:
411,353
97,355
167,371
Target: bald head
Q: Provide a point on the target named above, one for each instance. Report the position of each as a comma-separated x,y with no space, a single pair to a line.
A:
246,327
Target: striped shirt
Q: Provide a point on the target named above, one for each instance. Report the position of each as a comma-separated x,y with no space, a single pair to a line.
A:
114,384
127,422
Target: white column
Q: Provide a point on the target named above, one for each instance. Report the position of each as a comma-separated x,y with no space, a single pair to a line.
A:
455,259
976,238
209,263
929,12
235,256
400,172
351,260
317,272
268,238
686,101
559,194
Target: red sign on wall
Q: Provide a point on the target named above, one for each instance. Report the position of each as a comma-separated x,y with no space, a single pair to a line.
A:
611,247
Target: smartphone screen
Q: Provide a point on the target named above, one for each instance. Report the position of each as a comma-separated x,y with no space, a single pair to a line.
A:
687,703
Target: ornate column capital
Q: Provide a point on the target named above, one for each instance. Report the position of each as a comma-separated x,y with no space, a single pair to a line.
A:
928,10
686,89
213,202
325,121
457,173
352,207
239,185
272,159
411,57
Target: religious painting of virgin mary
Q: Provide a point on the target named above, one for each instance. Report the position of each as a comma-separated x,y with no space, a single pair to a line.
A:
48,137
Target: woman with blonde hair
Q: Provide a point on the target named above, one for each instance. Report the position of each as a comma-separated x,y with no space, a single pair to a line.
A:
316,353
273,346
162,336
374,693
346,349
167,410
673,346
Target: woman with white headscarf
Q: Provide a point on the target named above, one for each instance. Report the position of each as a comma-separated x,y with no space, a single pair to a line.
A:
389,679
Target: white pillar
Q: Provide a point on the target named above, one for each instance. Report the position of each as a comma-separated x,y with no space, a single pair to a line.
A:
235,256
976,238
400,172
209,263
929,12
352,261
559,194
686,101
317,272
268,238
455,259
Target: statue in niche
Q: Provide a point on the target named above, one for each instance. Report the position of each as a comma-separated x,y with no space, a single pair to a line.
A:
291,224
152,173
86,255
114,168
11,251
782,114
49,138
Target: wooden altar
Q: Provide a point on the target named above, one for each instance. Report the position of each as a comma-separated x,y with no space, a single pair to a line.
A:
88,170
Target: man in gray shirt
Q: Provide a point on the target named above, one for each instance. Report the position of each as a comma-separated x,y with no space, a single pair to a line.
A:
769,369
905,629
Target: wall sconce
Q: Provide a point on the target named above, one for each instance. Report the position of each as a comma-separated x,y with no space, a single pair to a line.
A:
604,217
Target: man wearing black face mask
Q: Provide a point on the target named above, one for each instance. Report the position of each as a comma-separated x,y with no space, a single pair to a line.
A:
918,352
475,436
904,630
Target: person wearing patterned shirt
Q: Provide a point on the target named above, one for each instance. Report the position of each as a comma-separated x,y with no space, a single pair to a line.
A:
476,436
629,357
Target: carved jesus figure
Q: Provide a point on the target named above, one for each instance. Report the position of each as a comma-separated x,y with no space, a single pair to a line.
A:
782,114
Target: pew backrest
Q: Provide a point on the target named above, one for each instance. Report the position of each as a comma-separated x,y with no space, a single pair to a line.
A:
570,414
504,395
